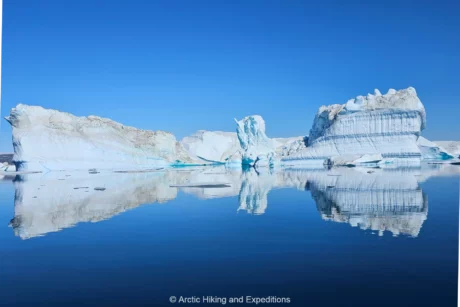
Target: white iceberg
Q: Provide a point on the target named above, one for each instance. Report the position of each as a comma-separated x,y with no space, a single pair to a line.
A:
258,149
373,129
46,139
387,125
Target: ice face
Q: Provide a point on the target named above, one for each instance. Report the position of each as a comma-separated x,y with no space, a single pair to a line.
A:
387,125
257,148
51,140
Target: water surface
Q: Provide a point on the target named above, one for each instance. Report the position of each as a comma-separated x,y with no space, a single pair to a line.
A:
340,237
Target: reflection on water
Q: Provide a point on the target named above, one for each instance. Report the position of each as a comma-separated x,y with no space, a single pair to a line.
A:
376,199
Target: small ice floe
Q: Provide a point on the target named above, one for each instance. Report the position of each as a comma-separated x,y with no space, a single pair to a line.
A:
76,188
99,189
93,171
202,185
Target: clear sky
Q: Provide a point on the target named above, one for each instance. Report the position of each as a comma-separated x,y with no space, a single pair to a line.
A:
183,66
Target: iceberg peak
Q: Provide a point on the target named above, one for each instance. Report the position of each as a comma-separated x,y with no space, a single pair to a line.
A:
391,91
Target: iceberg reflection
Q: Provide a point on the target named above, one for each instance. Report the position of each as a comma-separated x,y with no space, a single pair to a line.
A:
375,199
392,201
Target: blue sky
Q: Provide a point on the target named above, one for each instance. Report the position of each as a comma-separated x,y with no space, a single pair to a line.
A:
182,66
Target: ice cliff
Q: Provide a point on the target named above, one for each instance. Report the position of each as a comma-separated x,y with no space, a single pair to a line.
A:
46,139
387,125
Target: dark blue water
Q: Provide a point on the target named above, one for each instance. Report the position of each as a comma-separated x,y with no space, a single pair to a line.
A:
190,246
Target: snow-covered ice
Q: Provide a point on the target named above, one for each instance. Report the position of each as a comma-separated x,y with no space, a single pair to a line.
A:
46,139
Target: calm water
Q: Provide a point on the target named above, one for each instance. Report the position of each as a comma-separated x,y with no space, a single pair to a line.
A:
343,237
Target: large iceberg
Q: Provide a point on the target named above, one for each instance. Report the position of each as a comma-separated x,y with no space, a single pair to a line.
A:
387,125
45,139
370,130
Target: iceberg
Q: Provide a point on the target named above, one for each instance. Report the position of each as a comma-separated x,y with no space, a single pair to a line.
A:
45,139
372,130
387,125
258,149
